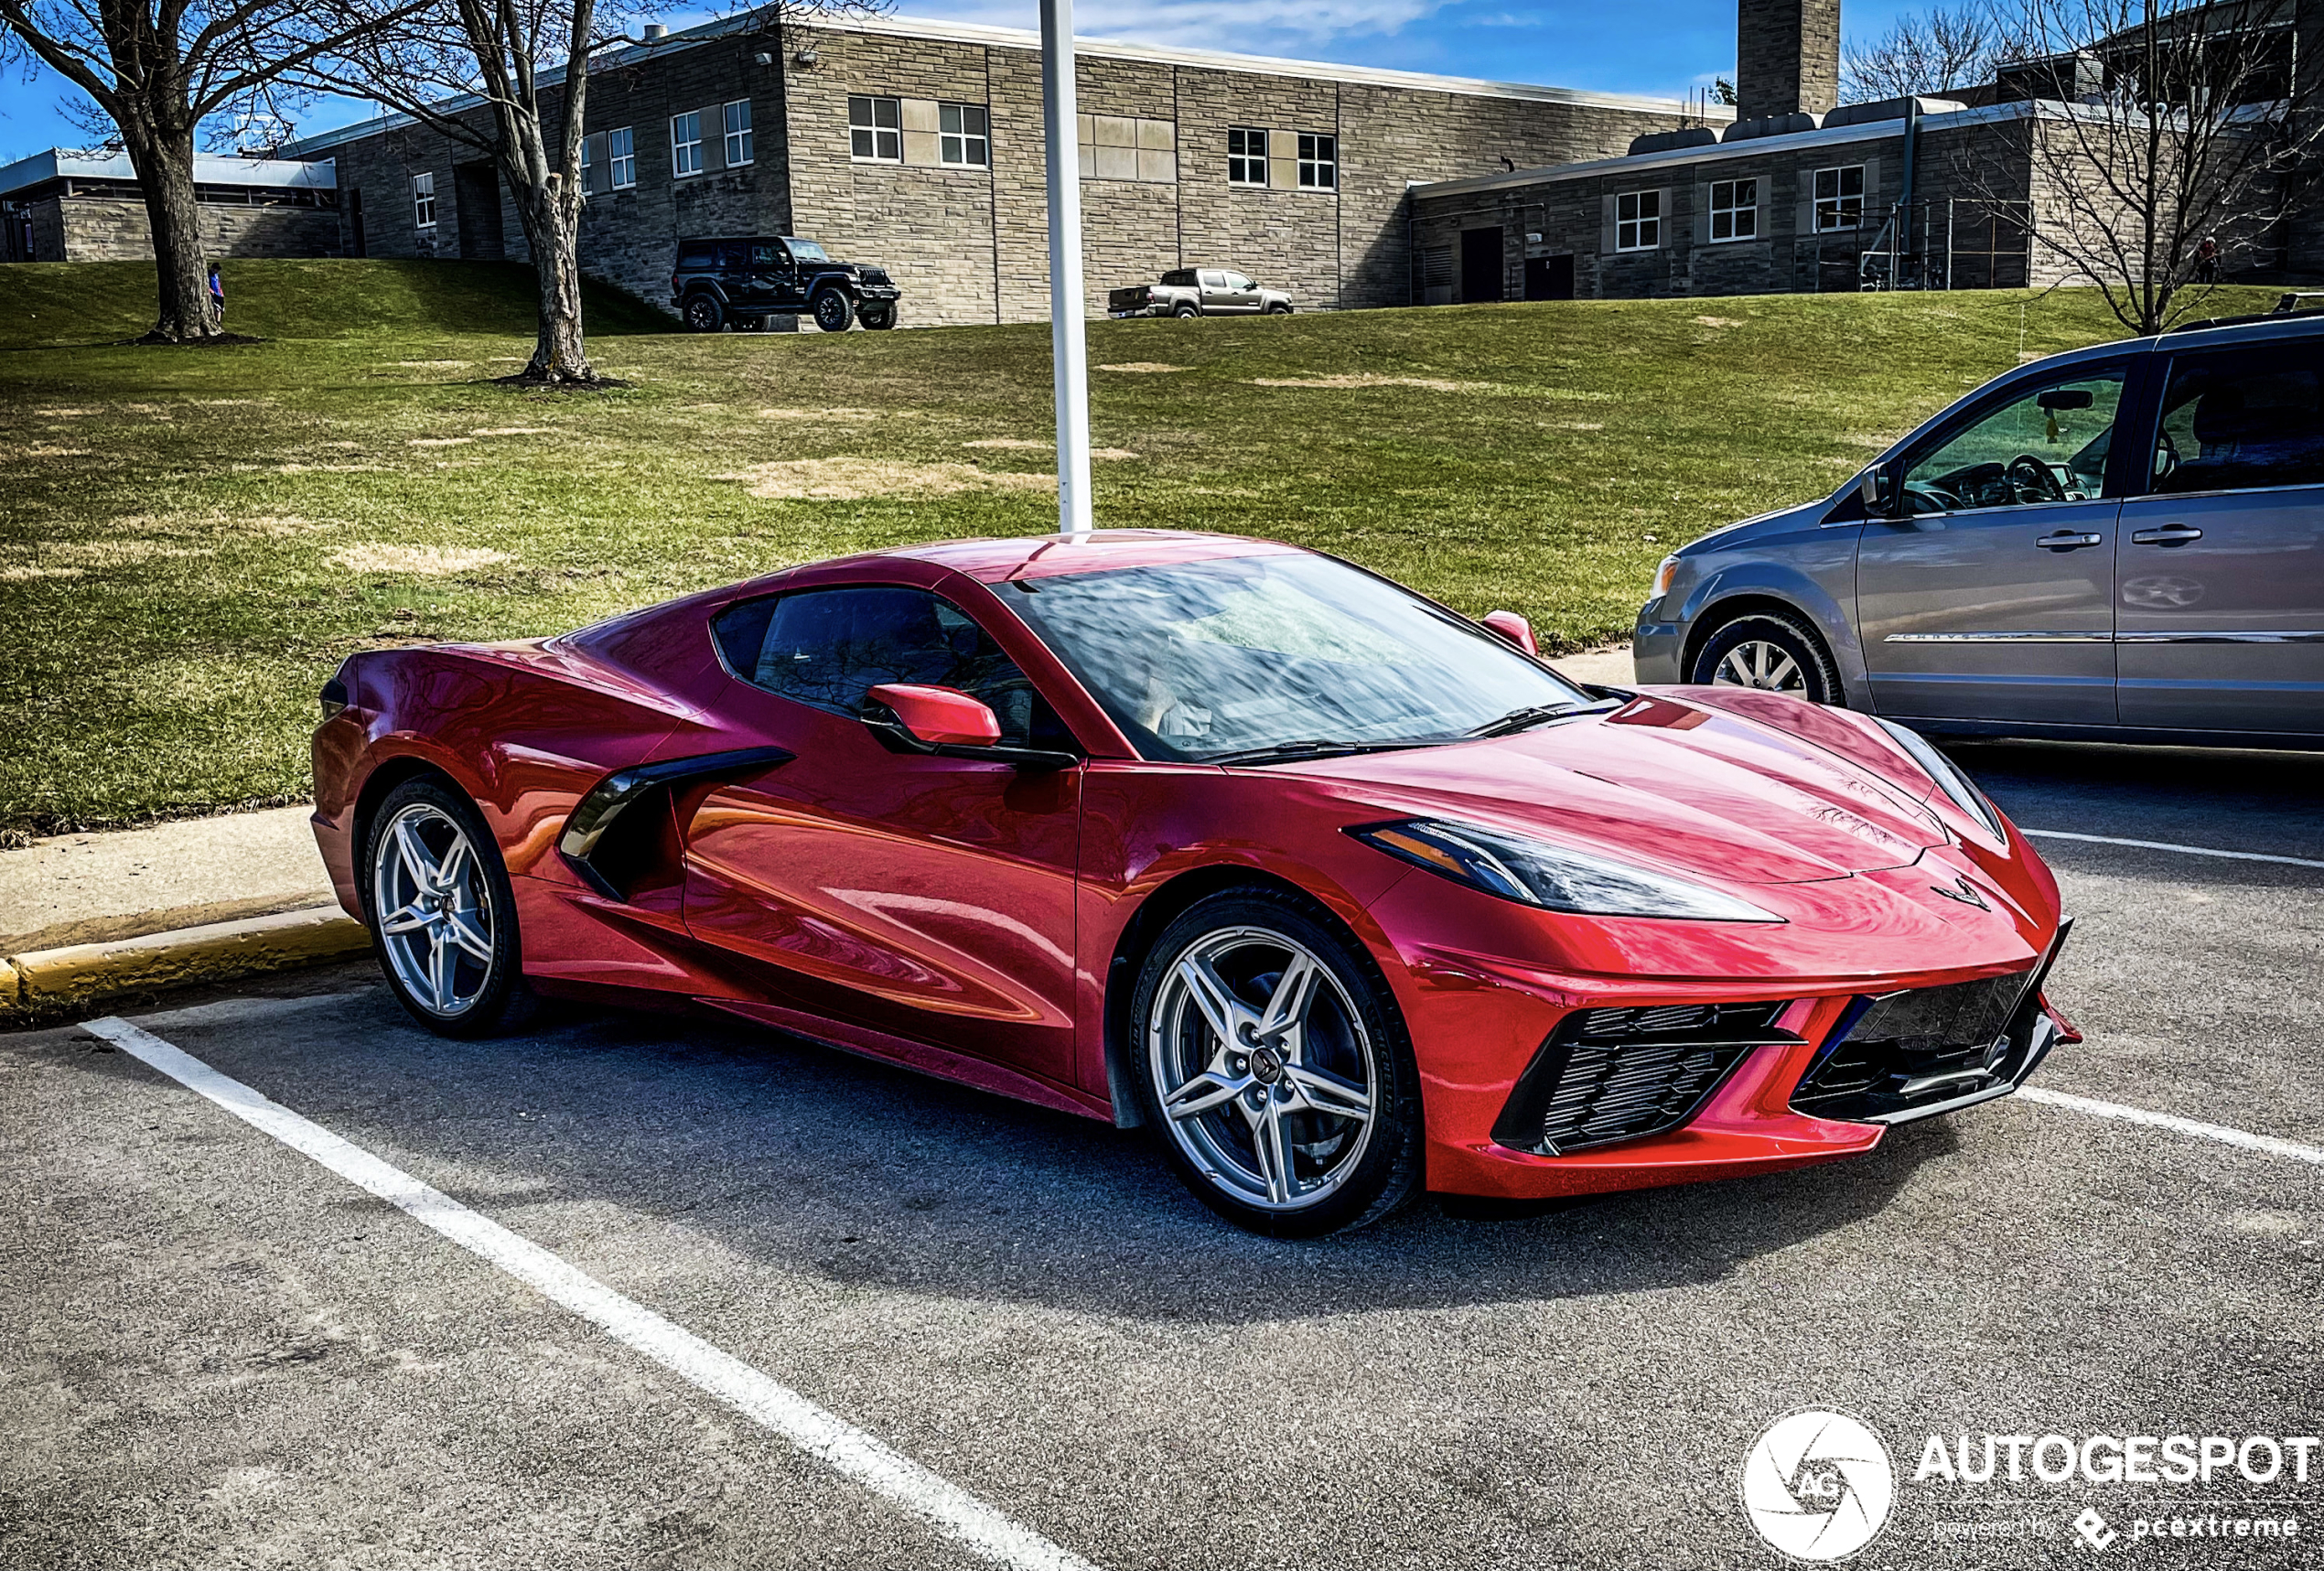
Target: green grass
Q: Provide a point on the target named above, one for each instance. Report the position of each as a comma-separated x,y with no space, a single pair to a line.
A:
175,525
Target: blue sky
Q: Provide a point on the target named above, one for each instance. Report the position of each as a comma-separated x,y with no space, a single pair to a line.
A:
1613,48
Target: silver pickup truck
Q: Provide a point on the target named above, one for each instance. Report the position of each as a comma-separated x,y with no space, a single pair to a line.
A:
1198,292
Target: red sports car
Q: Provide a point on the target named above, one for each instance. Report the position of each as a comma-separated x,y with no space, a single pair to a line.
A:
1343,894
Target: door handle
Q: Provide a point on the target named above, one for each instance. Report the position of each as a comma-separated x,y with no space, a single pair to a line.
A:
2067,540
2169,534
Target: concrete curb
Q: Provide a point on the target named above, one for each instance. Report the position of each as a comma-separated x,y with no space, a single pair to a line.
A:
50,978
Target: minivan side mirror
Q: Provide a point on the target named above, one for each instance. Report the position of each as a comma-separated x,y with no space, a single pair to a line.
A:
1513,628
939,717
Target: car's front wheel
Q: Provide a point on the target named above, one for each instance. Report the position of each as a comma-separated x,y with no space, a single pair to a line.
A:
879,318
1276,1065
705,314
441,915
1278,308
1771,651
834,312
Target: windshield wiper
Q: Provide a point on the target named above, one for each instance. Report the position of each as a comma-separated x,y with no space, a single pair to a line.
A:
1311,747
1525,719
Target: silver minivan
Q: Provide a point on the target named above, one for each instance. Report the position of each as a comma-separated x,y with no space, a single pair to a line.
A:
2124,544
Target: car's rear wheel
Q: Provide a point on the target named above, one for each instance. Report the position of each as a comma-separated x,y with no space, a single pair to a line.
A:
1275,1066
879,318
834,312
1770,651
703,314
442,918
1186,311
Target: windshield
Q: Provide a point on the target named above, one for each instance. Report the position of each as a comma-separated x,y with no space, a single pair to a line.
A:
808,250
1200,659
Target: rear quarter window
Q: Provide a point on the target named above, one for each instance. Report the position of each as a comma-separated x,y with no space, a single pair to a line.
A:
697,257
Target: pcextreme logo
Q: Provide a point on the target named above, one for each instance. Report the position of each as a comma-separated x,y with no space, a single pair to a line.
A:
1817,1485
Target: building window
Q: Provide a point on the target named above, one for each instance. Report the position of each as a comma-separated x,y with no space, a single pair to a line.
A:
1735,210
876,129
588,167
1638,220
1246,156
738,133
424,200
964,134
686,144
1839,197
621,159
1318,162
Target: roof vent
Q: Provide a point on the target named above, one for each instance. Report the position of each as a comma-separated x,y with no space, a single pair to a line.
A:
1671,141
1772,126
655,32
1887,109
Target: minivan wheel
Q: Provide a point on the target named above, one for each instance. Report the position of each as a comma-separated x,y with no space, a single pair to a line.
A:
1770,652
834,312
705,314
1275,1067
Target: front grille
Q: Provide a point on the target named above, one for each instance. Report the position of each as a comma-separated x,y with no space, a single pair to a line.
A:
1906,1050
1614,1075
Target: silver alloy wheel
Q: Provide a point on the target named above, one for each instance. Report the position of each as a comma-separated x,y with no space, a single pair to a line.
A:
1757,662
434,906
1264,1072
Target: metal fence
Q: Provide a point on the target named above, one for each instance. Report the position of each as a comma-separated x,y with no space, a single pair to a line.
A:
1955,243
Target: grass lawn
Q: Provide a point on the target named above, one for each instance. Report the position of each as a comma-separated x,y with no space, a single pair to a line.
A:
191,540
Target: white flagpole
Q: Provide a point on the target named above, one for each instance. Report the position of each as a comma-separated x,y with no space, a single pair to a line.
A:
1068,349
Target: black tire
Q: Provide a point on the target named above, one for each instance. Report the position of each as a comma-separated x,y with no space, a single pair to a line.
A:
1278,310
498,998
703,314
1356,1169
1770,650
1188,311
834,312
879,318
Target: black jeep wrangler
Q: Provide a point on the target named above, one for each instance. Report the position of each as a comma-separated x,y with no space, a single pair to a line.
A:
749,281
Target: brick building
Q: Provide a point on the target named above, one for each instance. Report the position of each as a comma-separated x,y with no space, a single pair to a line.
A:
82,207
918,145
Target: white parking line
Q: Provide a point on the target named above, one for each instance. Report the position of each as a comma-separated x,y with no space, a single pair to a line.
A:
2166,846
2172,1121
820,1434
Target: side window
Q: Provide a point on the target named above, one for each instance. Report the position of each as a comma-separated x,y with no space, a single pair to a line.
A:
765,257
2044,444
695,258
2242,419
831,647
1239,284
1213,280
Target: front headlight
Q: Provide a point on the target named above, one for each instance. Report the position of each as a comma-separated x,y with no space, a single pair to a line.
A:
1663,576
1948,776
1550,877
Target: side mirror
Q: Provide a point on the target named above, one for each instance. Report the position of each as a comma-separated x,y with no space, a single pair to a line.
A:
1513,628
1878,489
939,715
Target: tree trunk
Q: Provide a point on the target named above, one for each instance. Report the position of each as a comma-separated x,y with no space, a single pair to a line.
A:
165,166
552,226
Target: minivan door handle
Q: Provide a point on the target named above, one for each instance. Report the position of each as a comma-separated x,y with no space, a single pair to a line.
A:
2067,540
2169,534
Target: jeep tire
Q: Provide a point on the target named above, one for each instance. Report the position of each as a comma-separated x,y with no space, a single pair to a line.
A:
834,312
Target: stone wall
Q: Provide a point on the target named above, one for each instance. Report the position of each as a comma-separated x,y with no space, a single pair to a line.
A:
1787,57
115,229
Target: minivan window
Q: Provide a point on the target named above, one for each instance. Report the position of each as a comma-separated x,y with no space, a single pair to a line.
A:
2045,443
2240,419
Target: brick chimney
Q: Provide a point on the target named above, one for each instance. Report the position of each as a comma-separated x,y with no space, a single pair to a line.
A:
1787,57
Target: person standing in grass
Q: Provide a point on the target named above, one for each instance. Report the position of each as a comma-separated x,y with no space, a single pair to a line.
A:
2207,261
217,293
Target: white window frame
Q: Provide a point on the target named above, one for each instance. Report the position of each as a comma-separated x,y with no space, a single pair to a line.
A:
871,139
1318,161
963,135
424,199
741,148
622,157
685,145
1737,202
1245,167
1642,230
1842,209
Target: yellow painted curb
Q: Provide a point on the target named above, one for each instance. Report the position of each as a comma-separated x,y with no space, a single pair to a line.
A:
86,970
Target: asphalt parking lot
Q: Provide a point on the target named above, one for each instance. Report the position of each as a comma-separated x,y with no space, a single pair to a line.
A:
220,1353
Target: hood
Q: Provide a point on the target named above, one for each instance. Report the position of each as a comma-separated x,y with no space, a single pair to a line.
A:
1697,792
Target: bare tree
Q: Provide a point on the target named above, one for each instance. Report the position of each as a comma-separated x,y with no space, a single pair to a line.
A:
1936,53
509,79
2172,124
158,70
